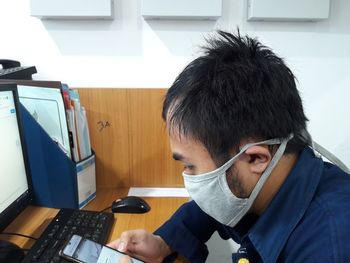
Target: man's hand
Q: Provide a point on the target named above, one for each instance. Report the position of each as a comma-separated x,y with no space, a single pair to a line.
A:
142,245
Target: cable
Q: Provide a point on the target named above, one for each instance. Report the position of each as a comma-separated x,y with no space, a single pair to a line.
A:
105,209
17,234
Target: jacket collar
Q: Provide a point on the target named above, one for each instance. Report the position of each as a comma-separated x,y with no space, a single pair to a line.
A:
271,231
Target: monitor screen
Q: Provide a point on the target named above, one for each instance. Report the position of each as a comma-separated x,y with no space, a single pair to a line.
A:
15,191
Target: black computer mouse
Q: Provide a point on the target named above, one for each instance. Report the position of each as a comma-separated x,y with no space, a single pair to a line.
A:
130,204
10,253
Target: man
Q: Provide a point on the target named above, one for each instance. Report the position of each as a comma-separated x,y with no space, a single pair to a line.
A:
236,122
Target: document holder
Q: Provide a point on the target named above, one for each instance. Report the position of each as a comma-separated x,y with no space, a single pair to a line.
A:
57,181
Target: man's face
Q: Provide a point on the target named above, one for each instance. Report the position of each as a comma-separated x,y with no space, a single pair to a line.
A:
197,160
192,154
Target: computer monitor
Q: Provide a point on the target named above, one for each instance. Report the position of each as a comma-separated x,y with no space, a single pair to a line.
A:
15,184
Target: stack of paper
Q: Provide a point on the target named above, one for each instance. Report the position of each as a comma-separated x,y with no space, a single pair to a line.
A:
158,192
77,124
58,110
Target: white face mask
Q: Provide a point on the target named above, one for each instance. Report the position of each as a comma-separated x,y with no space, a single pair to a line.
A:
213,195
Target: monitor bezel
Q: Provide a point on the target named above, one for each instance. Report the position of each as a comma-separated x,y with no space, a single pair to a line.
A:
16,207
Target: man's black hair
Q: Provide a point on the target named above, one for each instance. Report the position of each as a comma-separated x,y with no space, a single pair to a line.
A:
238,89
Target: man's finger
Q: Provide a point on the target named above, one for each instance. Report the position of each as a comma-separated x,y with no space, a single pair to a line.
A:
128,239
114,244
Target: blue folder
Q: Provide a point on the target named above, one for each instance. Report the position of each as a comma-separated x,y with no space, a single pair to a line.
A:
53,174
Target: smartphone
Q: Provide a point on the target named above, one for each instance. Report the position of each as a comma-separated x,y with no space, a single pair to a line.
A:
83,250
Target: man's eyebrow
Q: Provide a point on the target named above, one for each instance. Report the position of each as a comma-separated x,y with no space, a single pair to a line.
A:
178,157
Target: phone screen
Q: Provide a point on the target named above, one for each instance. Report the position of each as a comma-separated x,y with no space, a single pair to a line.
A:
88,251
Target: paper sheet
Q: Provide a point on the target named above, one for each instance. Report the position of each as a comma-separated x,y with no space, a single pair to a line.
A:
47,108
158,192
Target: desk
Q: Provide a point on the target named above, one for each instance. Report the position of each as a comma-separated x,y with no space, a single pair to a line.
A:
33,220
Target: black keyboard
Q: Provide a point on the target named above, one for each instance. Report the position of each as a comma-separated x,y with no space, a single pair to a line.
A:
90,224
17,73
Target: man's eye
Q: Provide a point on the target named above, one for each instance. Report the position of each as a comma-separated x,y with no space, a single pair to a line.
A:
188,167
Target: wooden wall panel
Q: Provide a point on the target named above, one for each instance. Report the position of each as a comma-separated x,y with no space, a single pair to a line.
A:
108,121
129,138
151,162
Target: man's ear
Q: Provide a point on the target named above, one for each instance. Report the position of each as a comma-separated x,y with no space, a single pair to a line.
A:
259,158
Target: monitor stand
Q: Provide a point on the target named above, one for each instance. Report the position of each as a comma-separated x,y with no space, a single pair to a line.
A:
10,252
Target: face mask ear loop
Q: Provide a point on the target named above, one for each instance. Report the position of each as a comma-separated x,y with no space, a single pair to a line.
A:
320,152
229,163
331,157
267,142
275,159
308,139
313,147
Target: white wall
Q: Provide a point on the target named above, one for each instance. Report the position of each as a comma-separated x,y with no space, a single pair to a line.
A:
130,52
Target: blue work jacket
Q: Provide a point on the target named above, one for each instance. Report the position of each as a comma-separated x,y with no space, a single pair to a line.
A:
308,220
